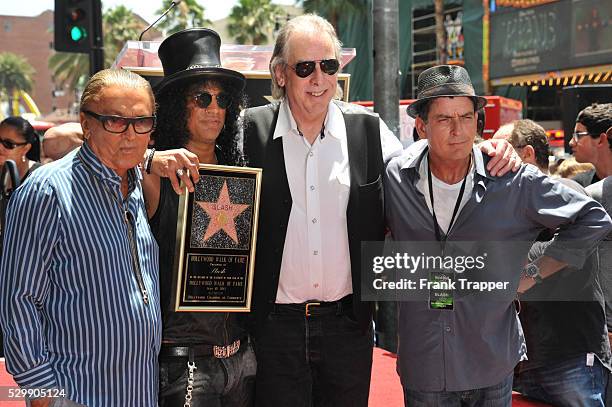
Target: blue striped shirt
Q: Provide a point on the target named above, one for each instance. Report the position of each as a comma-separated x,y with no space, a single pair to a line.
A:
72,311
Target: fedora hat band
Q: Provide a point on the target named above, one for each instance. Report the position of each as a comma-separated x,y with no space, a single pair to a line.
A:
448,89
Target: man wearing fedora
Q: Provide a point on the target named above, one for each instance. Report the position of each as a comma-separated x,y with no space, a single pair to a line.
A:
321,197
459,345
206,358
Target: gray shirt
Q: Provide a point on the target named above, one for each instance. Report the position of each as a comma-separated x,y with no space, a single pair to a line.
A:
602,192
478,343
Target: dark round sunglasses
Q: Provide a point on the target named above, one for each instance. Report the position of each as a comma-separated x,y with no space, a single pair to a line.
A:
306,68
10,145
204,99
119,124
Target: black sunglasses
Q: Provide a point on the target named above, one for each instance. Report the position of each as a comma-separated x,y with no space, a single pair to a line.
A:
9,145
204,99
306,68
119,124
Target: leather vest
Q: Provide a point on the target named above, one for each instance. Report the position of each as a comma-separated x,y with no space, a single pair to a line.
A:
365,211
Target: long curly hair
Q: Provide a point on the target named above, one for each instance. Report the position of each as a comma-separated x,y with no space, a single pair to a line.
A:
172,117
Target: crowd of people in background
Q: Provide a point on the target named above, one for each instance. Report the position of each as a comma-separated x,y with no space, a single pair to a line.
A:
99,197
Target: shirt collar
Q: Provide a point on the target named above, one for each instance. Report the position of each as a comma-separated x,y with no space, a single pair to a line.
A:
102,172
419,150
334,122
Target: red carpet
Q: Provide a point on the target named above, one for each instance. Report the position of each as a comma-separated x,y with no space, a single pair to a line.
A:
385,390
6,382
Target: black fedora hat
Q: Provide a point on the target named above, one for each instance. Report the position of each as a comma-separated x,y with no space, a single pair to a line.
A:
444,81
194,54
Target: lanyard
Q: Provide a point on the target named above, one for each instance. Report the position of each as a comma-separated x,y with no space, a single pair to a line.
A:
439,237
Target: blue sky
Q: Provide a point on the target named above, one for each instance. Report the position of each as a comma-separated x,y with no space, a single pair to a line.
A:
214,9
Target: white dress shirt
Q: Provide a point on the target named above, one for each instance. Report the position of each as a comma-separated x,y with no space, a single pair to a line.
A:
316,262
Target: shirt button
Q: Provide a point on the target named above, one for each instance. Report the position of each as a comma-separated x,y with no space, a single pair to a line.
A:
312,188
314,220
447,329
311,153
316,285
316,252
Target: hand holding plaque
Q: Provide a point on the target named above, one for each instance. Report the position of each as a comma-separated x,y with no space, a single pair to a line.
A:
216,235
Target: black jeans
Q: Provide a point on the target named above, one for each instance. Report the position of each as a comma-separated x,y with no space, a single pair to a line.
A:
218,382
497,395
317,361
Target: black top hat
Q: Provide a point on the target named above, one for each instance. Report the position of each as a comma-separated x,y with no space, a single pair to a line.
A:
194,54
444,81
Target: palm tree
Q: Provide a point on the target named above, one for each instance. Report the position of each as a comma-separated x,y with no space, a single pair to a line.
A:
440,31
187,14
333,9
119,25
15,75
69,68
252,21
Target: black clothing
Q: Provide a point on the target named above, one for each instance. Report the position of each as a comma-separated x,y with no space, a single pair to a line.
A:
566,316
365,211
185,327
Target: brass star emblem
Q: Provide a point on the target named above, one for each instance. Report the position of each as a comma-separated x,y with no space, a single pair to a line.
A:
222,214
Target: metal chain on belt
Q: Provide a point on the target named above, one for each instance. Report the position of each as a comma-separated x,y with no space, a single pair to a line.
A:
191,366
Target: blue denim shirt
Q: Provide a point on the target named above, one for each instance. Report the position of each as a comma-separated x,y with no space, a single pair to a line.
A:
479,343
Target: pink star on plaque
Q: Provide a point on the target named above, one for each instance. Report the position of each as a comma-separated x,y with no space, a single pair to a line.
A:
222,214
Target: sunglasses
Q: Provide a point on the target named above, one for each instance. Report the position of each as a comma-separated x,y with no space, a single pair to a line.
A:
204,99
10,145
119,124
306,68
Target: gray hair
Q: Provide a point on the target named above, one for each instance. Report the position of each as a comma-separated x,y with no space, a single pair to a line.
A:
111,77
303,23
526,132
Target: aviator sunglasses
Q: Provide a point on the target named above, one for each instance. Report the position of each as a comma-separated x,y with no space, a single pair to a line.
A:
119,124
306,68
204,99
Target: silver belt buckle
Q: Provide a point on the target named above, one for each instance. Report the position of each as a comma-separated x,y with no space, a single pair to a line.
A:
224,352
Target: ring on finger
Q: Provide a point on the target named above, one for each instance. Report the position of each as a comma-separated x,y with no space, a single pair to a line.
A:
179,172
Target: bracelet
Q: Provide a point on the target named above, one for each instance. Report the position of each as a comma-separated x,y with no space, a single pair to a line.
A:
149,161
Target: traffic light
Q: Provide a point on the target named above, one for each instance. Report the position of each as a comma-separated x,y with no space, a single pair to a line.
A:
76,24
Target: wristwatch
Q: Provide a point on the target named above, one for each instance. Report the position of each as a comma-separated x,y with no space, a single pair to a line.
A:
533,271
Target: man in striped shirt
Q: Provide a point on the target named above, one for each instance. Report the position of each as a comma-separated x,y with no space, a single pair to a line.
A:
79,301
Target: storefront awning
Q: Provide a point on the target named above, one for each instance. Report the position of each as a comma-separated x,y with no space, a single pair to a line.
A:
577,76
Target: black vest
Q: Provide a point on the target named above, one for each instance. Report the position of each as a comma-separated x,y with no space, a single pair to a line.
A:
365,211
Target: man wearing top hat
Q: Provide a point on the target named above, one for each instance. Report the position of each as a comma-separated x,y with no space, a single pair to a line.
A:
463,351
321,197
197,122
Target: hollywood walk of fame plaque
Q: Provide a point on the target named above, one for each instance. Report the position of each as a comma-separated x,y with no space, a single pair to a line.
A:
215,238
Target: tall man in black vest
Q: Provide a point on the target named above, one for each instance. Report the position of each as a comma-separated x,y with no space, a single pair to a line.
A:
321,197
